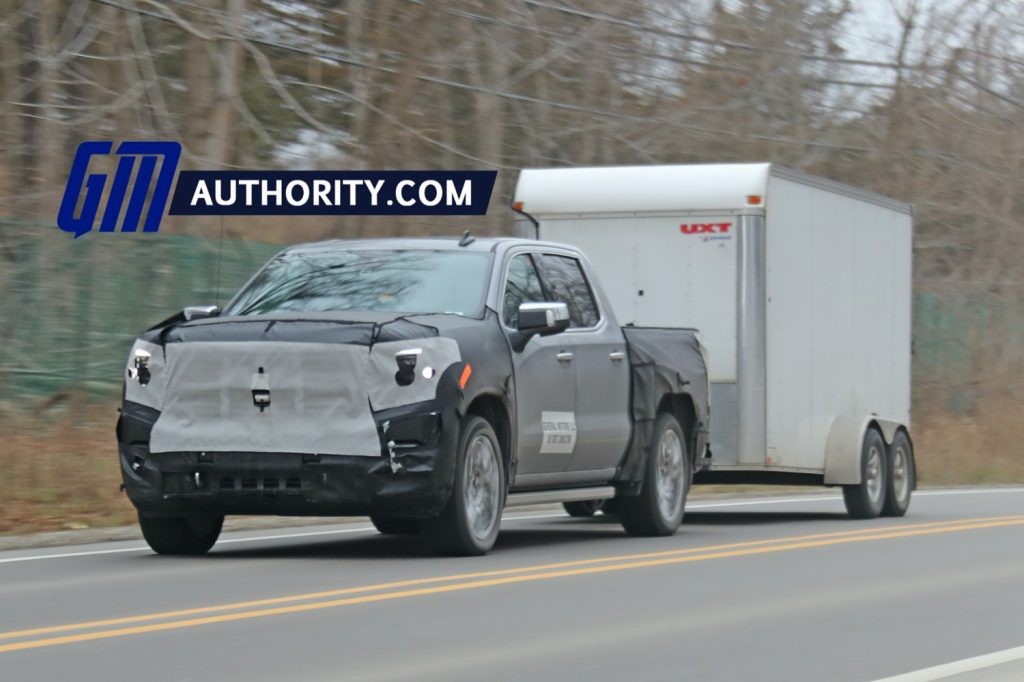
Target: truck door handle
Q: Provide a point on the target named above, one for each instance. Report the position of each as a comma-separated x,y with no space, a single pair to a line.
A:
617,356
564,356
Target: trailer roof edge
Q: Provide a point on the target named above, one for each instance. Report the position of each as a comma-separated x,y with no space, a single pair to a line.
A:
593,190
842,188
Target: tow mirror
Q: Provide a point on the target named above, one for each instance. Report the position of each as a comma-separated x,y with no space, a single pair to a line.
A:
198,312
539,319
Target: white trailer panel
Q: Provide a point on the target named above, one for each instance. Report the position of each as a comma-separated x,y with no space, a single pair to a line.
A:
649,189
838,316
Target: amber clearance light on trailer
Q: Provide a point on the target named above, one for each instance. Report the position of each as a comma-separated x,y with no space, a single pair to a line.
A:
753,200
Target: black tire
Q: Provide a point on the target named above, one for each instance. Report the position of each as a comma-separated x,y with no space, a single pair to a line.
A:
190,535
470,527
866,499
902,475
396,525
658,509
583,509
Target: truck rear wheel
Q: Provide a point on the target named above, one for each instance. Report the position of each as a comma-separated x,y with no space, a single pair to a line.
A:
901,476
866,499
469,524
583,508
396,525
658,509
188,535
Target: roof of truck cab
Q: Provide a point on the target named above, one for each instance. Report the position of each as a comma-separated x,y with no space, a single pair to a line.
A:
667,188
479,244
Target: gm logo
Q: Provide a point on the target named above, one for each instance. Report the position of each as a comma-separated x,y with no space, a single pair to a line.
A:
136,157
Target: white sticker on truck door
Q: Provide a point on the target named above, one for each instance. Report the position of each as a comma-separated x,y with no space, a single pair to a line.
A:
558,433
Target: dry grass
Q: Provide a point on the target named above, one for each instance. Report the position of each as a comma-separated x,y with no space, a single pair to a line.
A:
983,447
60,467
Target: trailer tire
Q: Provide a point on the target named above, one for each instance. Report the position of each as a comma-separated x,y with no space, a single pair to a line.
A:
187,535
583,509
396,525
469,524
900,484
866,499
658,509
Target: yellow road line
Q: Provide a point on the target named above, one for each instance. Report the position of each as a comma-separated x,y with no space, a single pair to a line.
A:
903,531
271,601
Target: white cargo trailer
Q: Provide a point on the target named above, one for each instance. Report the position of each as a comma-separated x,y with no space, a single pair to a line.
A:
801,287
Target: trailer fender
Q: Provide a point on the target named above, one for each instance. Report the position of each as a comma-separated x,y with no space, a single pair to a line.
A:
842,449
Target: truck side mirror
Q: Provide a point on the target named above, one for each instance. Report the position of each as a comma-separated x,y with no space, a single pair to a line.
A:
542,319
198,312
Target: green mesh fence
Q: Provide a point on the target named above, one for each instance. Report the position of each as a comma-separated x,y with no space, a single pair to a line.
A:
967,343
70,308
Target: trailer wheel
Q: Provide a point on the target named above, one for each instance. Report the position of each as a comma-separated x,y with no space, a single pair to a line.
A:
901,476
469,524
584,508
658,509
866,499
396,525
189,535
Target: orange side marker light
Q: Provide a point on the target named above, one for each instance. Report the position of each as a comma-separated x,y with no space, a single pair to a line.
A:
467,372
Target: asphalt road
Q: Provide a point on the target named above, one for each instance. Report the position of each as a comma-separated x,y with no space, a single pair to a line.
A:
749,589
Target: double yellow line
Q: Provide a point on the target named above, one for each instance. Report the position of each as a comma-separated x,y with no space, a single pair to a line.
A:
223,613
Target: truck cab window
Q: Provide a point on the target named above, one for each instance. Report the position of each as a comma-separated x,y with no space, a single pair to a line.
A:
564,277
522,286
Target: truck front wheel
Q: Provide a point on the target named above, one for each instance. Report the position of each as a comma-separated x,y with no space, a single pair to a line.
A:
865,500
658,509
469,524
181,535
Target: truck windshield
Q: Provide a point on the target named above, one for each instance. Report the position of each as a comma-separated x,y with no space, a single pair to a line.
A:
410,282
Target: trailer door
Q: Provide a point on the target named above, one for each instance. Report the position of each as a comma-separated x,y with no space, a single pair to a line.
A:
686,277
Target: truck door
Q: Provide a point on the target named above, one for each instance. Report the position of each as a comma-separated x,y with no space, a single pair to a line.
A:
602,368
545,376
